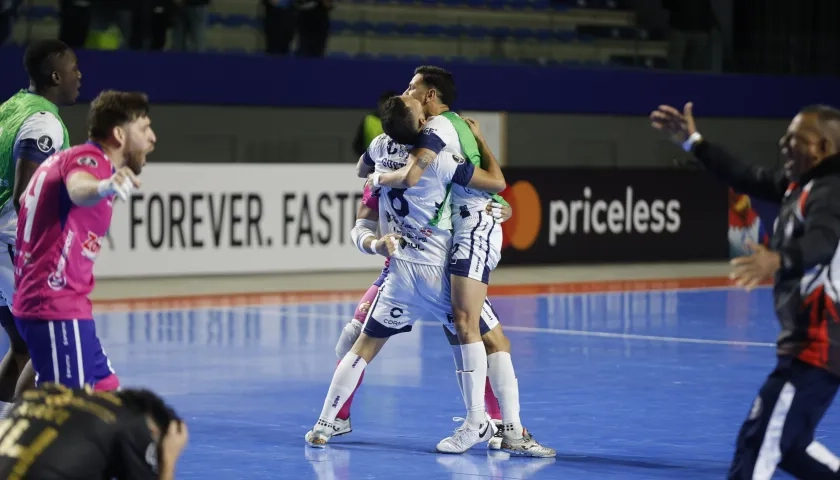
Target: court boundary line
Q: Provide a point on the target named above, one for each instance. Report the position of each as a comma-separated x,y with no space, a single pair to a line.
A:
522,329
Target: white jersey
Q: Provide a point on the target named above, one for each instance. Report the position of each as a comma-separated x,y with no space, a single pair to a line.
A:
439,135
40,136
409,212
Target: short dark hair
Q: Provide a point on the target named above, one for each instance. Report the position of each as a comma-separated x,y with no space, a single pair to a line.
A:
828,119
398,121
439,79
146,402
385,96
113,108
38,60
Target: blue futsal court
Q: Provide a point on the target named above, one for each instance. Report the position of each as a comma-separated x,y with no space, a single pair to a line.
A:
626,385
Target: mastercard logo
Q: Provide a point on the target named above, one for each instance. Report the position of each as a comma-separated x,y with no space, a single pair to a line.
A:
522,229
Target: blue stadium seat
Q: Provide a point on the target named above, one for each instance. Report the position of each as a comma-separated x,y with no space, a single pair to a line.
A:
432,30
455,30
361,27
385,28
39,12
409,29
477,31
566,36
339,26
239,21
500,32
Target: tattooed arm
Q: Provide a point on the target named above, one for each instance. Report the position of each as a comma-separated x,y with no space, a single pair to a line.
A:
409,175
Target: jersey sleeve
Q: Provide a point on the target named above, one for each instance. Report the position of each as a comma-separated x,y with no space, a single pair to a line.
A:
370,198
454,169
40,136
434,135
377,149
96,165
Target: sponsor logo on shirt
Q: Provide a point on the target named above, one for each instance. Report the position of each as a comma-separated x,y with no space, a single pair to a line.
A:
87,162
91,246
57,280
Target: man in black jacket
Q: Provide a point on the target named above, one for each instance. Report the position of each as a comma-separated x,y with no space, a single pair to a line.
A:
804,259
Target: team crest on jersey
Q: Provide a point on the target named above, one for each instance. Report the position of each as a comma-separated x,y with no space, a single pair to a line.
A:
45,143
459,159
426,231
87,162
91,246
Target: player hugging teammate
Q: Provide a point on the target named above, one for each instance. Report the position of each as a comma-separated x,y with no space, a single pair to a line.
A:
419,185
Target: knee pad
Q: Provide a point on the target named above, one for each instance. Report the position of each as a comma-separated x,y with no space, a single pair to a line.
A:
348,337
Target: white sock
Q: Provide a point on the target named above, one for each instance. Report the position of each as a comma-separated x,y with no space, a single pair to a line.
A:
459,366
506,387
473,379
6,409
344,381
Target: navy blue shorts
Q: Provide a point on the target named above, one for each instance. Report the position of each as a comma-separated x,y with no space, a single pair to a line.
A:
67,352
779,430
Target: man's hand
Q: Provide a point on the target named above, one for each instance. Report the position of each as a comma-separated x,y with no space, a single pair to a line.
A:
387,245
501,213
120,184
678,126
475,128
751,270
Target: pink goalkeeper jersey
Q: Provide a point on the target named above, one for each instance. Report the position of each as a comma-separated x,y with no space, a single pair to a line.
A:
57,241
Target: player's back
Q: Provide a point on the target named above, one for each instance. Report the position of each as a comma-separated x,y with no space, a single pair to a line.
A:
56,433
57,241
412,212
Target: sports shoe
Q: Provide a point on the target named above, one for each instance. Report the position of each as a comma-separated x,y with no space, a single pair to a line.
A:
465,437
495,443
320,434
526,446
341,427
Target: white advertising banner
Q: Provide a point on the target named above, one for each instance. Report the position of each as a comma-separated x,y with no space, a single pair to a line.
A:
494,128
195,219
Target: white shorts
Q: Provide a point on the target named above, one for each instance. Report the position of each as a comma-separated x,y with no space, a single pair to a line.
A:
476,247
413,292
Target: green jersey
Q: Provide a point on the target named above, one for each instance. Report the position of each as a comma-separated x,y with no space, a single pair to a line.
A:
30,128
449,131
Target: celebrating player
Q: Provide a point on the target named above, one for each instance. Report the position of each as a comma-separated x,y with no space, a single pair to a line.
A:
803,253
55,433
470,266
30,131
66,212
365,237
416,284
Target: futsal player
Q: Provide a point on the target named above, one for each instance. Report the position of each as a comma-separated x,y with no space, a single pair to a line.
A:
66,213
55,433
30,131
416,284
367,240
802,259
476,238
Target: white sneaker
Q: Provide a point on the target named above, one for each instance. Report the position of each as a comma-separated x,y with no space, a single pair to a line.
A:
341,427
495,443
465,437
319,435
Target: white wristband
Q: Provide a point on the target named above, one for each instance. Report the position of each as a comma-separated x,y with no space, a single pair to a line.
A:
374,178
105,188
369,250
694,138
